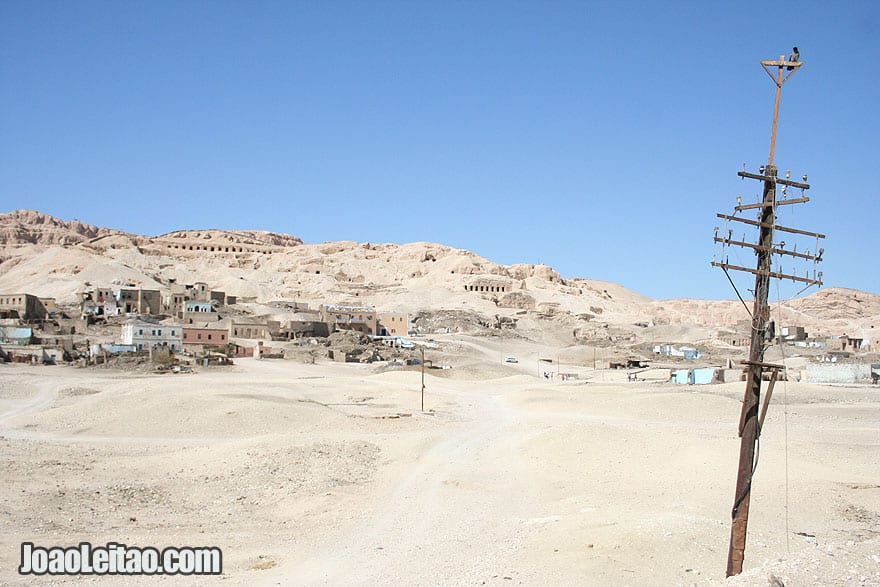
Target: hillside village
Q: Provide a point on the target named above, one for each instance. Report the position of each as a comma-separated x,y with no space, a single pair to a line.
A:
195,322
188,320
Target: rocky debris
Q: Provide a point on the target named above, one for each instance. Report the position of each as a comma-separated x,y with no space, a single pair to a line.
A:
348,341
502,323
518,300
356,346
463,321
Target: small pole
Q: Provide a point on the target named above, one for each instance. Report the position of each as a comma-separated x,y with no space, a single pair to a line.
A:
775,112
423,377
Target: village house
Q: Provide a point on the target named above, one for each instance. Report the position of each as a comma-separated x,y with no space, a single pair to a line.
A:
199,338
123,300
792,334
305,323
145,335
255,330
139,301
198,311
198,306
668,350
221,298
101,294
359,318
22,307
853,342
175,298
393,324
198,291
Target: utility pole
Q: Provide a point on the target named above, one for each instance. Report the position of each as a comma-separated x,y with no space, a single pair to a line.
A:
762,329
423,377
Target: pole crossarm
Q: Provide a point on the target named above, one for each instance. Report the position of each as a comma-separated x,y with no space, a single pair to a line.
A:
788,182
762,364
742,207
776,251
780,63
769,225
772,274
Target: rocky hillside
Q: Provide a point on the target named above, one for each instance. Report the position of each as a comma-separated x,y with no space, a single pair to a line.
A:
27,227
50,257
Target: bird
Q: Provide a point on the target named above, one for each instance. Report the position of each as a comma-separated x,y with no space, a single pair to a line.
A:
794,57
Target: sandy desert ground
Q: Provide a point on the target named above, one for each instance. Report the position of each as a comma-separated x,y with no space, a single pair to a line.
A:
329,474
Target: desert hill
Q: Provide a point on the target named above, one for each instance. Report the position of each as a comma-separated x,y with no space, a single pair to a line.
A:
27,227
50,257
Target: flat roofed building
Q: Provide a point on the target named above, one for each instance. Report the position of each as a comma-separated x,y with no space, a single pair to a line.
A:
145,335
393,324
195,337
359,318
21,306
255,330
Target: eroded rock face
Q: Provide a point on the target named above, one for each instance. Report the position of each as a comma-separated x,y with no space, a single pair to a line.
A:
28,227
221,241
517,300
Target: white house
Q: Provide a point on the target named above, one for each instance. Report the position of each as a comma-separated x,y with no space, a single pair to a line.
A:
144,335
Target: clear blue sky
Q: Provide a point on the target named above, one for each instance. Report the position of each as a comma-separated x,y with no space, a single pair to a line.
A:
596,137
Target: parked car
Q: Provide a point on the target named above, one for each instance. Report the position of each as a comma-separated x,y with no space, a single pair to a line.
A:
510,360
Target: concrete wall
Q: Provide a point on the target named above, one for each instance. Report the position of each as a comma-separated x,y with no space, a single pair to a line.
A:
730,375
16,335
848,373
679,376
702,376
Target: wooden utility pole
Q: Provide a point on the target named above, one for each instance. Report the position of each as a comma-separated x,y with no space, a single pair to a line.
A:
762,329
423,377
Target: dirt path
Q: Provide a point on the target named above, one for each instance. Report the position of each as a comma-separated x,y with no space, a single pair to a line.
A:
453,518
47,391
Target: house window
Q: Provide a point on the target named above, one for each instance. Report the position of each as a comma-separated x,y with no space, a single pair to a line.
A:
222,337
159,332
200,336
209,337
140,331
